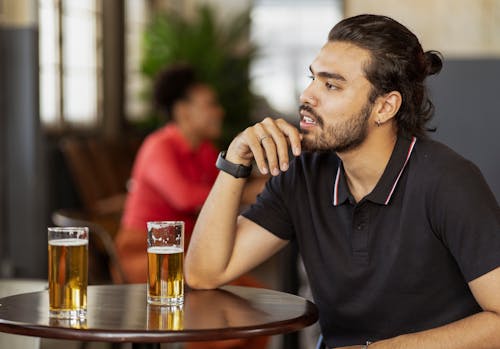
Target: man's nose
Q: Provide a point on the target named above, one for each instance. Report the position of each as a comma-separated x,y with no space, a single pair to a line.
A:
307,97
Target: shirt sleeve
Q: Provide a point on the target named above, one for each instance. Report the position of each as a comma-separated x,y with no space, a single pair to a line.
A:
270,210
467,217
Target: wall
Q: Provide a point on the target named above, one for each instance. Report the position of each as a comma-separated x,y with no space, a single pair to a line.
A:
457,28
23,224
465,93
467,117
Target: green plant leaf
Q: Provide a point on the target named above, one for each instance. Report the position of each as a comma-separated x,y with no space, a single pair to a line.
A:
220,53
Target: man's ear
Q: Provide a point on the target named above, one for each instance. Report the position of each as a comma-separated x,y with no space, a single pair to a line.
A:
387,106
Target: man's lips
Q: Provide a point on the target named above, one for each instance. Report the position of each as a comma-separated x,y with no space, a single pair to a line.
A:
306,120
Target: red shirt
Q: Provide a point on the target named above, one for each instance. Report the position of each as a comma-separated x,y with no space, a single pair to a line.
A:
170,180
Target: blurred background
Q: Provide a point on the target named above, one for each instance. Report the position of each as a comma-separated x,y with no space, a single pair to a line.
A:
76,78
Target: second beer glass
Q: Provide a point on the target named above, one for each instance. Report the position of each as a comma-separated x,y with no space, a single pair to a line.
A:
165,262
68,272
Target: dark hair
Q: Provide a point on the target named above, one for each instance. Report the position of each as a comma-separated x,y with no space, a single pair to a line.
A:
397,63
172,85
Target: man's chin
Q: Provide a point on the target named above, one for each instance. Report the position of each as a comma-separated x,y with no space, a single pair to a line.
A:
309,144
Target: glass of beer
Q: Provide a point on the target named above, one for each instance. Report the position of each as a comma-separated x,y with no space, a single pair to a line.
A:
165,260
68,272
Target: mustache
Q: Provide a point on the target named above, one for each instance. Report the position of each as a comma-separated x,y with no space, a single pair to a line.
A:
310,110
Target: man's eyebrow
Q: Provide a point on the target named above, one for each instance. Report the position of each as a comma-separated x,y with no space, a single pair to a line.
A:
328,75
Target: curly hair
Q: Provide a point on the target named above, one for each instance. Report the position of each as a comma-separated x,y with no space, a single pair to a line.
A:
397,63
172,85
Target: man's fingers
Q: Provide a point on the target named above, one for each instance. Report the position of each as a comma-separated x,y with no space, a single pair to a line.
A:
271,155
280,146
268,141
293,135
253,141
265,138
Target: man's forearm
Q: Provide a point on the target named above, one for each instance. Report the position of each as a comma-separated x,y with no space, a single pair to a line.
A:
213,235
253,188
479,331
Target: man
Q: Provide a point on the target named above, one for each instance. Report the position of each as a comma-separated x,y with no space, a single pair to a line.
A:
400,236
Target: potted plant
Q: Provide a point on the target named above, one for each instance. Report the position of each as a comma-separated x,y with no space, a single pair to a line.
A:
220,52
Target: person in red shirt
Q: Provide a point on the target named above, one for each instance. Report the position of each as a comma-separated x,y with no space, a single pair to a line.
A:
174,168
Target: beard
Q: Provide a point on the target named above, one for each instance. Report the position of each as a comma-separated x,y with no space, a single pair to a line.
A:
341,137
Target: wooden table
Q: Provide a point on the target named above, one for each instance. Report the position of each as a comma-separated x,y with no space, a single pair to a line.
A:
120,313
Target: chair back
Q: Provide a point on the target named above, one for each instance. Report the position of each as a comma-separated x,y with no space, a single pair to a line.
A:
99,169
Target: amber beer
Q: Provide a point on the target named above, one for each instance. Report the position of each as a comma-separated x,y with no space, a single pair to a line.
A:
166,280
68,272
165,263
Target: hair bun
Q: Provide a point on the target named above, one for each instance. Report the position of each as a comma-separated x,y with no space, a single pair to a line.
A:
433,62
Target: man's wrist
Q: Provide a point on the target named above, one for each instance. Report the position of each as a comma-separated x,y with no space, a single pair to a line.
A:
235,159
237,170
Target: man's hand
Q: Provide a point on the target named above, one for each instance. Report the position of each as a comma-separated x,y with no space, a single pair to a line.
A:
267,142
218,251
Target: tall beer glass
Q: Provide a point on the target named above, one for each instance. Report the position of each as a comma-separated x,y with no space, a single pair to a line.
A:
68,272
165,261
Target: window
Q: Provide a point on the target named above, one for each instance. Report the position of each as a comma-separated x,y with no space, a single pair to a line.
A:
288,34
137,14
70,47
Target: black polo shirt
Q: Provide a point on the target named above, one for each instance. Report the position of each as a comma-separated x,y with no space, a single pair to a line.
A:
399,260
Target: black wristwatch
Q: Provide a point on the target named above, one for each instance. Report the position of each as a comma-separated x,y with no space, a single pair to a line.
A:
235,170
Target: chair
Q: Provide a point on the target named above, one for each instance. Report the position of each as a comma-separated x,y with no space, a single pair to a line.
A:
100,171
104,265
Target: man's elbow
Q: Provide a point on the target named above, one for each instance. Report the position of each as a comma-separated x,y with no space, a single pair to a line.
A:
199,280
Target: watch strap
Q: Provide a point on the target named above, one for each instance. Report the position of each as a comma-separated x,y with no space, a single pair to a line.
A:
235,170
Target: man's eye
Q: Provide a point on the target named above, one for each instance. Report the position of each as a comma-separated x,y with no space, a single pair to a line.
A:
311,77
330,86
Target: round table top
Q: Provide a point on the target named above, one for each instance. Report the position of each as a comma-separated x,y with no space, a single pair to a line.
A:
120,313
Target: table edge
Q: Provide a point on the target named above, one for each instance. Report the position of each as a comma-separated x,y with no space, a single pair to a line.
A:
166,336
163,336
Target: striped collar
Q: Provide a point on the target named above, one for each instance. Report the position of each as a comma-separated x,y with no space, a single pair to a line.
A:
385,187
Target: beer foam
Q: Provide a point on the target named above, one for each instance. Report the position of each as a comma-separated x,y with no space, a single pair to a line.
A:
164,249
68,242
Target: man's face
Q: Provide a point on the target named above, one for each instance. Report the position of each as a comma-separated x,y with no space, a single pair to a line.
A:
335,107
